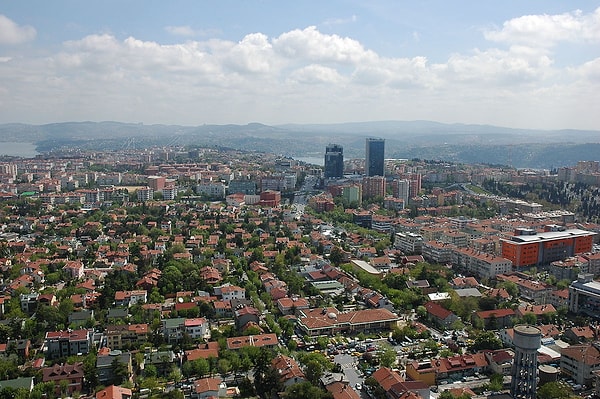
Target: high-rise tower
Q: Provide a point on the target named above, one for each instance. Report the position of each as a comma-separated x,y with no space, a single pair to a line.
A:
527,340
374,157
334,161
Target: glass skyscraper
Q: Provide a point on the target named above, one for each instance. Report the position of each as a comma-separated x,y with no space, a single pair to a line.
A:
374,157
334,161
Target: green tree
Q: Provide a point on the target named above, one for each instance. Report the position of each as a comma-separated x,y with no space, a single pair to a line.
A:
120,371
150,371
496,382
487,340
266,378
313,369
304,390
387,355
554,390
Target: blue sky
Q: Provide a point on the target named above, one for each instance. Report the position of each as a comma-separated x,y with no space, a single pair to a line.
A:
530,64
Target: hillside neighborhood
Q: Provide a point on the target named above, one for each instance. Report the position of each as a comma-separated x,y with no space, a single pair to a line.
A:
218,273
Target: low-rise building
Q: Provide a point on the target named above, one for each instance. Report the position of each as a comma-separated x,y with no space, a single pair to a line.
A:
126,336
288,369
71,373
330,321
259,341
61,344
584,295
579,362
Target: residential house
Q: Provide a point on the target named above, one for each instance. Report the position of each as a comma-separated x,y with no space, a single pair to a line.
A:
386,377
440,315
105,364
342,390
204,351
162,360
19,346
173,329
25,383
496,318
579,362
114,392
228,292
580,335
210,275
209,388
129,298
289,371
259,341
80,318
244,315
289,306
74,269
72,373
126,336
223,309
538,310
68,343
500,361
197,328
531,290
455,367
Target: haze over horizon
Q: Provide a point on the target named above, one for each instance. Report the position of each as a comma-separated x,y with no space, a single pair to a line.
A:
513,64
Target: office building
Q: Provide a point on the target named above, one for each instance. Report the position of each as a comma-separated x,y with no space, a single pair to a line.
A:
374,157
538,249
334,161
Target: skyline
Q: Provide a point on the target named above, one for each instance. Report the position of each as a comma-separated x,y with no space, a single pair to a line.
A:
533,65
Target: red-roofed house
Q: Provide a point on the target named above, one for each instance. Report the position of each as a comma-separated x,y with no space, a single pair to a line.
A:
204,351
342,390
439,314
72,373
289,371
496,318
209,388
289,306
114,392
259,341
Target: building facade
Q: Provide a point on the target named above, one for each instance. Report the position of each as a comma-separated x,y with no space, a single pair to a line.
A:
334,161
538,249
374,157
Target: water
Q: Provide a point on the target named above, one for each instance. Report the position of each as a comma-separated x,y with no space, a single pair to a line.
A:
320,161
15,149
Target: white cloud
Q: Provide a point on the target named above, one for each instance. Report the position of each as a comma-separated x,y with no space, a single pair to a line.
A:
313,74
589,71
547,30
519,65
11,33
314,46
253,53
303,73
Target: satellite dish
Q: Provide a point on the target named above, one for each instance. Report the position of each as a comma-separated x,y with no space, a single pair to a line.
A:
180,300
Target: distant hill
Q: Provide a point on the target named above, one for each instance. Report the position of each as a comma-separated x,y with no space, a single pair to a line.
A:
404,139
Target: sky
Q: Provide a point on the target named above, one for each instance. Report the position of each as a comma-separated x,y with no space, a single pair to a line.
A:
514,63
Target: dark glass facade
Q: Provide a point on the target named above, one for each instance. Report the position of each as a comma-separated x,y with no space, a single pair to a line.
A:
374,157
334,161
